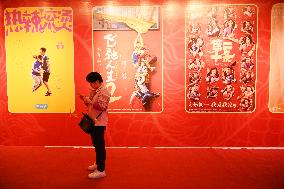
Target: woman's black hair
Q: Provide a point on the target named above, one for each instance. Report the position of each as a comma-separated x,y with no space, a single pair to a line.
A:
93,77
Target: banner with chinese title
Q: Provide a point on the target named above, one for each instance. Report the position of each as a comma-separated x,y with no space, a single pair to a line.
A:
221,43
39,59
276,76
127,45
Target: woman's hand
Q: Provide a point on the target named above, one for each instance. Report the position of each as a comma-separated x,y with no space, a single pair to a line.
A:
85,99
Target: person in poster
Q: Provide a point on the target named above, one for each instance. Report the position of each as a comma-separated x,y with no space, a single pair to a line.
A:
213,29
46,70
138,49
142,78
36,73
212,75
229,74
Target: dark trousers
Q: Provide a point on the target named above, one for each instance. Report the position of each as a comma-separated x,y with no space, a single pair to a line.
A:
98,141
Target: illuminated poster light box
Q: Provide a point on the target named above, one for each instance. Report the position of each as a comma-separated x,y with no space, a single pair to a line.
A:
276,79
220,63
127,50
27,30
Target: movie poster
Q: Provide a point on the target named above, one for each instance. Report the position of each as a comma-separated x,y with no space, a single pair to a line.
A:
127,47
276,74
221,44
39,59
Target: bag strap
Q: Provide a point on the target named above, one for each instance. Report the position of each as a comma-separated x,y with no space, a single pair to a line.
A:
100,113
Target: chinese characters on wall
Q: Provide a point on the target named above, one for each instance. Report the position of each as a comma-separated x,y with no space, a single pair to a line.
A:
38,20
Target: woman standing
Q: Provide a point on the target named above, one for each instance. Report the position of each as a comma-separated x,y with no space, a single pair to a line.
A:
97,103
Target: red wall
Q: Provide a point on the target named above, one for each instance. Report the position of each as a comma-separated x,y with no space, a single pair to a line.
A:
172,127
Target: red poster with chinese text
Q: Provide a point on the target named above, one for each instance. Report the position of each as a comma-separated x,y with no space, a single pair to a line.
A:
221,44
127,48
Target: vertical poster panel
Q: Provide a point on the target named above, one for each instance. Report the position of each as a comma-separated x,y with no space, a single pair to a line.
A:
276,74
221,43
39,82
127,47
